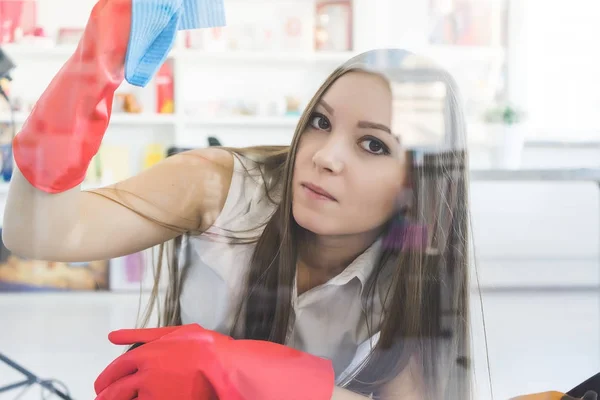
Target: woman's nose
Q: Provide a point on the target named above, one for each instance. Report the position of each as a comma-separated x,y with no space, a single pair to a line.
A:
330,157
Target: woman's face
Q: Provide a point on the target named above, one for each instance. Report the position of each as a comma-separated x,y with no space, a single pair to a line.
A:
349,166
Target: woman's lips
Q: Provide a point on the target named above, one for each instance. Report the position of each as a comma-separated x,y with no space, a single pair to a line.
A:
318,192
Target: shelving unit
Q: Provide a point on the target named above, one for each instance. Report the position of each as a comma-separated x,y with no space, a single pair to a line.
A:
199,76
185,59
205,77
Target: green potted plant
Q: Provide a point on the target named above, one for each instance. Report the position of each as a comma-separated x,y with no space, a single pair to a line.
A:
504,114
506,123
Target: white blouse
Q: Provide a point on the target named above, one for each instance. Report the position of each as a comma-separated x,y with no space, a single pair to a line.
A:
329,319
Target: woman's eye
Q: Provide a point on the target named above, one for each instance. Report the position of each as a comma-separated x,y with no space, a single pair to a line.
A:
374,146
319,121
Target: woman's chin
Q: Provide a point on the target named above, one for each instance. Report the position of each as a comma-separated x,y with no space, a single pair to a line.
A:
315,222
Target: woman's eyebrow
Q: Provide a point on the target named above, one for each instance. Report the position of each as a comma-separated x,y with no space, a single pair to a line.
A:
361,124
373,125
327,107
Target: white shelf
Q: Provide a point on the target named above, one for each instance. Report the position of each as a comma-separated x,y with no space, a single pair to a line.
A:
143,119
241,121
21,51
116,119
37,50
173,119
193,55
26,50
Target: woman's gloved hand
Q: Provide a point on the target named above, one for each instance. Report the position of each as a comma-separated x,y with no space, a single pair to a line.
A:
192,363
65,128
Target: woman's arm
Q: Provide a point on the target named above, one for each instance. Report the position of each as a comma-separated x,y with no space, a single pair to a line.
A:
186,191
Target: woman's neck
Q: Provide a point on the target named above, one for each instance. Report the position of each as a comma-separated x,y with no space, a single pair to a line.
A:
320,258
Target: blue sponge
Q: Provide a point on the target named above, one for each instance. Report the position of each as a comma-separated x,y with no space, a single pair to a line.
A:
154,26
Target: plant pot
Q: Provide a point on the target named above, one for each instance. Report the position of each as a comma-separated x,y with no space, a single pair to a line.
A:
509,141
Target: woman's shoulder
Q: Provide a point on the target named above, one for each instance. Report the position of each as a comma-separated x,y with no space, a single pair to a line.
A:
213,158
251,198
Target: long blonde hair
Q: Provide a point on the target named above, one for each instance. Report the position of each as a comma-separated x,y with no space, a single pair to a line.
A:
425,302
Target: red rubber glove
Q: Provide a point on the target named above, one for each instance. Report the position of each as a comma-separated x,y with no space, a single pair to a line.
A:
65,128
236,369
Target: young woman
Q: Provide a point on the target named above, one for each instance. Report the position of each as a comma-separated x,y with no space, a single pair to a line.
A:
337,246
335,268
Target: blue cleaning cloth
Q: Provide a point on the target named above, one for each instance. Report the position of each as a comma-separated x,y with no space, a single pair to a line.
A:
154,26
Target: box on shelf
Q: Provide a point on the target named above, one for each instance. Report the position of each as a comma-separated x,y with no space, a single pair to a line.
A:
136,271
111,164
468,23
287,26
17,19
127,272
127,103
333,30
153,154
165,89
266,106
69,36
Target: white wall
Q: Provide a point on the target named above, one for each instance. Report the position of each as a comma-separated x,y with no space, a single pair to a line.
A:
555,66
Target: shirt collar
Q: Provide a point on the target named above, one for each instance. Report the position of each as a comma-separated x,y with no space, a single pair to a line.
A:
361,267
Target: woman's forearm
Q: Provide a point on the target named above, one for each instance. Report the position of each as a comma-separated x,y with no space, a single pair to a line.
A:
343,394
